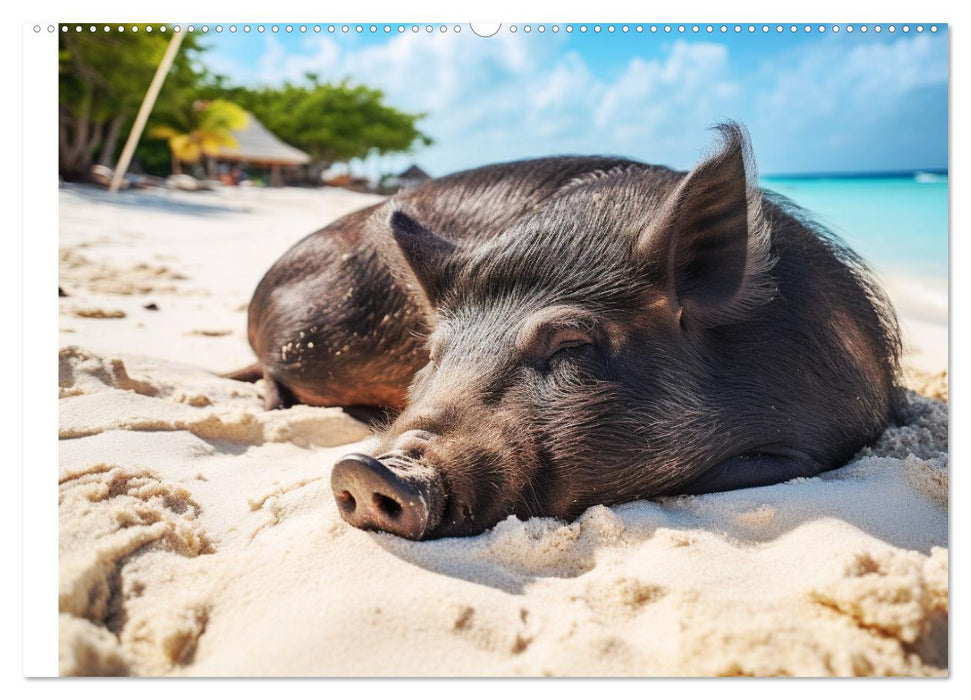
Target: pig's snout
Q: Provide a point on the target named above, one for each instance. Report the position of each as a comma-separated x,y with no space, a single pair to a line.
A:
391,495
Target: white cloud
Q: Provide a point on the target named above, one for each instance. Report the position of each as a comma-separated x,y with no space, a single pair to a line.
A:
681,88
277,65
861,81
568,82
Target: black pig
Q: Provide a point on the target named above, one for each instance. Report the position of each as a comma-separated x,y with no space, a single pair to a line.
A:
597,331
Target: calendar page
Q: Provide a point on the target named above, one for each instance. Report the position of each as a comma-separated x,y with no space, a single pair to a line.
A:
470,350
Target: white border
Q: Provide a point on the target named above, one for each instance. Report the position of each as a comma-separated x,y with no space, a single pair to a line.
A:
40,311
398,11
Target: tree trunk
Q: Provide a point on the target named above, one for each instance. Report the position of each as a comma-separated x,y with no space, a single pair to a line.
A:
176,164
70,135
111,141
63,138
94,140
74,145
315,170
82,132
78,138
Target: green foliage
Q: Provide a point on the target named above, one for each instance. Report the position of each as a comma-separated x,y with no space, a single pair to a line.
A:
102,78
208,127
333,122
100,73
152,157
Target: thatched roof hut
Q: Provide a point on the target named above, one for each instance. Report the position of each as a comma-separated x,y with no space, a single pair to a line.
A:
414,173
258,146
412,177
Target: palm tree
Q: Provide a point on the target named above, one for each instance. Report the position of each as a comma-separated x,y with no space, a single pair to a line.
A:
210,126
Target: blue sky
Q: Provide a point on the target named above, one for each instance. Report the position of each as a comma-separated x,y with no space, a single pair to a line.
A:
812,102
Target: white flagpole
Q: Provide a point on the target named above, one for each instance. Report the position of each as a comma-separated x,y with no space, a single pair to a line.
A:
146,109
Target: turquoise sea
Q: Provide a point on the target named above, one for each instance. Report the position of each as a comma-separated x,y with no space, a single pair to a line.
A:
896,223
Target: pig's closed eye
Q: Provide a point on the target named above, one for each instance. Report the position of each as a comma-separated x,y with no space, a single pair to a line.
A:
564,346
566,351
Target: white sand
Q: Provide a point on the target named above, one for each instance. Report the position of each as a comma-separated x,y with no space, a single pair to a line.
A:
199,535
922,307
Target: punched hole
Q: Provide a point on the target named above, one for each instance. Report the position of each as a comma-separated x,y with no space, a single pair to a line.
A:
386,505
346,501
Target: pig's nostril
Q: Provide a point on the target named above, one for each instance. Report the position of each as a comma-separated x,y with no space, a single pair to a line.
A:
387,505
346,502
371,494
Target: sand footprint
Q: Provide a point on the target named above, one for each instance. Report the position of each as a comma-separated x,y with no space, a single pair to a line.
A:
621,597
504,632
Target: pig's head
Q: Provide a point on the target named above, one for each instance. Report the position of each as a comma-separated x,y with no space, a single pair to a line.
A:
567,357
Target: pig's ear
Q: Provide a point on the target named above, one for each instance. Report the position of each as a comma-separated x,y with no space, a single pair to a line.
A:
709,246
427,255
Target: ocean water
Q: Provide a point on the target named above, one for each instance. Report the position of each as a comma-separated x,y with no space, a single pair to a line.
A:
897,224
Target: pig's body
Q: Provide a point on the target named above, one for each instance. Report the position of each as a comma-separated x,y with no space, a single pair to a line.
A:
329,322
599,331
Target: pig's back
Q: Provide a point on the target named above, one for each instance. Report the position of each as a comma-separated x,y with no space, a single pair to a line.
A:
481,203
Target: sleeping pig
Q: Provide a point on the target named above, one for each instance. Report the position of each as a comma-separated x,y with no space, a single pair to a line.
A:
559,333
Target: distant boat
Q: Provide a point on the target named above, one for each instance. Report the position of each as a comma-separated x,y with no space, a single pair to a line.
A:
926,178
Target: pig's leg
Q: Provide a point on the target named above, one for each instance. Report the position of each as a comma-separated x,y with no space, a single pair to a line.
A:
275,395
749,471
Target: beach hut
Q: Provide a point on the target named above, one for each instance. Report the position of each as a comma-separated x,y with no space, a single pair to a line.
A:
257,146
412,177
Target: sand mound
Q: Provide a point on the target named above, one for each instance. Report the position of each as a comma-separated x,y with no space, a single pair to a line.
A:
199,537
98,395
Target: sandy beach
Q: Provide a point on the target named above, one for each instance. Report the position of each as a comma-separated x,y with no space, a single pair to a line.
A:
199,536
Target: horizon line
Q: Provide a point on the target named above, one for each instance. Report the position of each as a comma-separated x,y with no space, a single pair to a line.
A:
849,174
